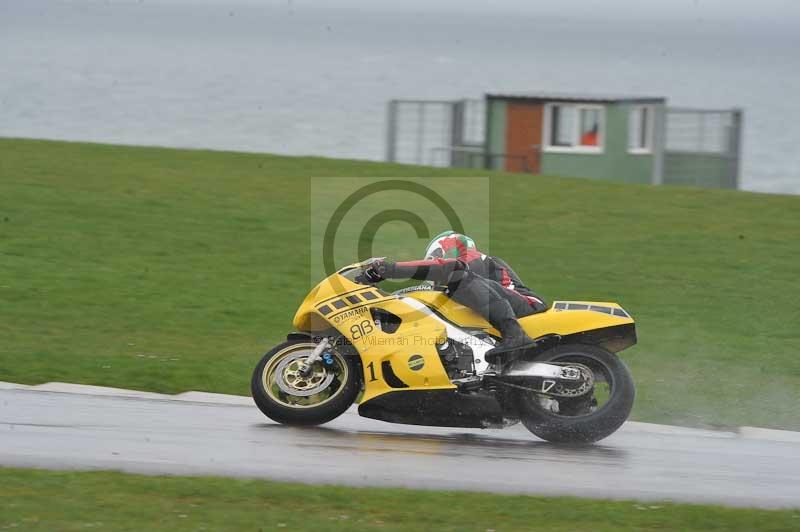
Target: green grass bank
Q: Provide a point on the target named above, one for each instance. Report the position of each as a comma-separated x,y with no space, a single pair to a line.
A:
168,270
41,500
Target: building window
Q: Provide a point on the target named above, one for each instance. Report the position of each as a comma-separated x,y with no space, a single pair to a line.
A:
571,127
562,125
640,129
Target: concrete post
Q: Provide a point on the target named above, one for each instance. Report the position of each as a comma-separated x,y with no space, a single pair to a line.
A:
659,143
737,119
391,131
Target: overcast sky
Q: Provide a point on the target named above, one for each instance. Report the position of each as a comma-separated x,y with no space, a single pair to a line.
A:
681,9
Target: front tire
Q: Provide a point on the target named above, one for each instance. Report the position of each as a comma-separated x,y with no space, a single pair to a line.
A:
287,398
580,419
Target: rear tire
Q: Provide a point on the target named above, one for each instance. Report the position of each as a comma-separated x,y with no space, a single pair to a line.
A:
289,409
577,421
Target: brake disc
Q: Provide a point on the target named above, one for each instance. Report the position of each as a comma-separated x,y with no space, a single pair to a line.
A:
290,379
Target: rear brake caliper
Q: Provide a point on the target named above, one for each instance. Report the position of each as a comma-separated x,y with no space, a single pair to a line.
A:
575,380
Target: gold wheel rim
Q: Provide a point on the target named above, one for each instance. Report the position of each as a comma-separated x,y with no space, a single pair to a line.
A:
276,368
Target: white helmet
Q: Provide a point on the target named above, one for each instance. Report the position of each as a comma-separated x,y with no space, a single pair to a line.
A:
449,245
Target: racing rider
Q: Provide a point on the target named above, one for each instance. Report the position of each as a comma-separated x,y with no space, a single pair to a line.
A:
485,284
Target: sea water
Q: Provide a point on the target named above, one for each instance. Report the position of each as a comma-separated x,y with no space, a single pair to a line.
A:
290,78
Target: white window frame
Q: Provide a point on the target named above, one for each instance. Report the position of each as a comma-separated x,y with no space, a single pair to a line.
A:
576,148
651,113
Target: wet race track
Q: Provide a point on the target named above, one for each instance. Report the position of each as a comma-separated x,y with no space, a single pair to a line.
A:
230,437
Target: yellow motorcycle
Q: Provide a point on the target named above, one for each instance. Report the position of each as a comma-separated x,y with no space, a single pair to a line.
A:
415,356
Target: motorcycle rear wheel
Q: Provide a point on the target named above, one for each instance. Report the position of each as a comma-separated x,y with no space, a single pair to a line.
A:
580,419
285,396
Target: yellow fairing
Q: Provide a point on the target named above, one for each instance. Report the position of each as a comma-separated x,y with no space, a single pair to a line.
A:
568,317
563,318
408,354
455,312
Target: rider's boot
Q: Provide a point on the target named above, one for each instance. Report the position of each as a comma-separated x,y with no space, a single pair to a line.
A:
514,341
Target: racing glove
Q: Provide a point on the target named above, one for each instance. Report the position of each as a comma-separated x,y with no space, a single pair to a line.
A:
376,272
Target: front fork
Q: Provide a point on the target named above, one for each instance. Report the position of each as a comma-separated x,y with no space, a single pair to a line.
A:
316,355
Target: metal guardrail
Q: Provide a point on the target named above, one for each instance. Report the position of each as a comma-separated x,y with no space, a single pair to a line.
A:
415,128
703,147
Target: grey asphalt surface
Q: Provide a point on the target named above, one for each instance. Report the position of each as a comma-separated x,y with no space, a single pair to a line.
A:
156,436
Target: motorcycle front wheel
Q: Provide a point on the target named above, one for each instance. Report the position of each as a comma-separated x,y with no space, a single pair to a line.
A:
587,418
285,394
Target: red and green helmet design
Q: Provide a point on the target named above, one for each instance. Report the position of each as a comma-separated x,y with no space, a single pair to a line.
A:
449,245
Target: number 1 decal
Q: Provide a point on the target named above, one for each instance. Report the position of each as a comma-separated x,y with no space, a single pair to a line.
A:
371,368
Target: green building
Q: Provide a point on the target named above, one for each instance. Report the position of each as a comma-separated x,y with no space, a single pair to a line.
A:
602,137
633,139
